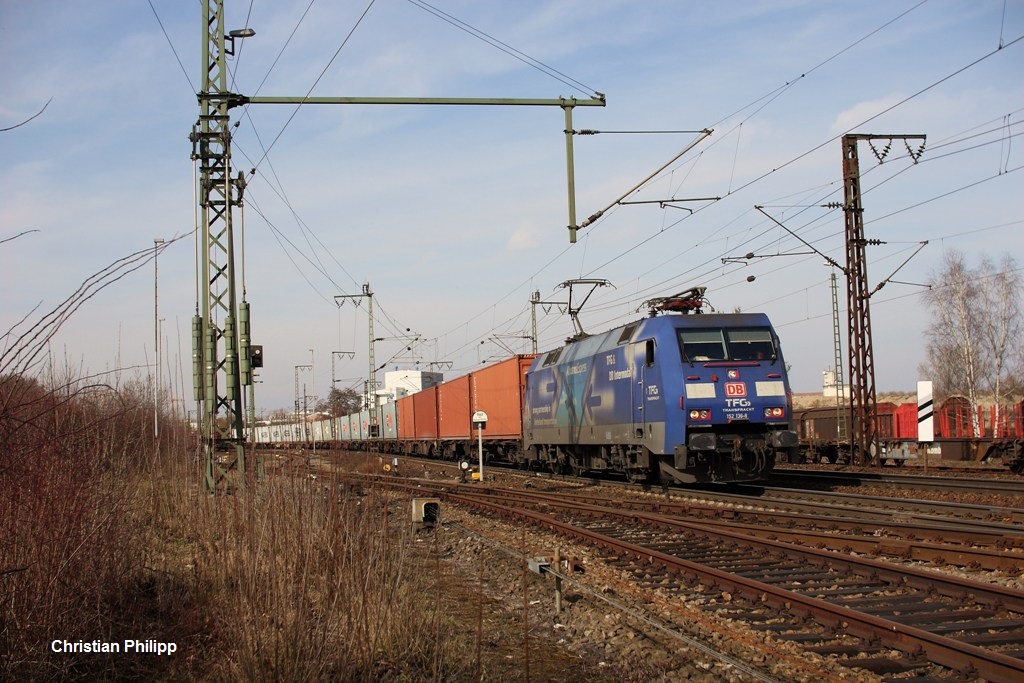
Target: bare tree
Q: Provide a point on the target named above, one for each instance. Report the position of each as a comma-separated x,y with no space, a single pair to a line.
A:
1000,290
23,343
976,321
341,402
281,415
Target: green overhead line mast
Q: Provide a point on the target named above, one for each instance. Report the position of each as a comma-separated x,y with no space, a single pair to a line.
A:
222,358
217,351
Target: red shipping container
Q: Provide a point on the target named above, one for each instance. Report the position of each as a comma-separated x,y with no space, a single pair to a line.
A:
453,413
498,391
406,418
425,413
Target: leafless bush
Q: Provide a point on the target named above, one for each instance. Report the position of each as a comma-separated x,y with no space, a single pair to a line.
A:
289,579
68,528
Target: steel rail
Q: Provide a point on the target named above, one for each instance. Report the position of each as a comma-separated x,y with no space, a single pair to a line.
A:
961,657
1010,486
958,656
838,516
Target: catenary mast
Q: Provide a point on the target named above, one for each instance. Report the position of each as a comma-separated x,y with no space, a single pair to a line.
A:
221,362
863,427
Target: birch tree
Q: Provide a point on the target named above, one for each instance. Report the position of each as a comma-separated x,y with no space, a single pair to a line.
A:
1000,290
973,340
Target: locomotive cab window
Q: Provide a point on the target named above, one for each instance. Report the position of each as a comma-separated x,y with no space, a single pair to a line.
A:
702,345
750,344
738,344
552,357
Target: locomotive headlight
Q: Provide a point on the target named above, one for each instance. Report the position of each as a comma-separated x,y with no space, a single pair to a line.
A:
774,413
694,414
700,415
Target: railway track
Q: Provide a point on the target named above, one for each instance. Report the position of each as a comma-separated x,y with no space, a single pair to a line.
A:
871,615
842,528
907,481
905,619
759,566
975,537
831,503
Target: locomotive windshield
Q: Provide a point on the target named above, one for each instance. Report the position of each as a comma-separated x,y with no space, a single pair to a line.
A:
737,344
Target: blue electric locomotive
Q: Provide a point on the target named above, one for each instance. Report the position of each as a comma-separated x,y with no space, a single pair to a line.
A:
691,397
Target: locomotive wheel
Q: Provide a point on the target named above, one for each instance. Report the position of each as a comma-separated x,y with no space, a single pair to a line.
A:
637,476
576,467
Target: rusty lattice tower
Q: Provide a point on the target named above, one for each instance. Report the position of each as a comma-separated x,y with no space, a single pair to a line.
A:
863,428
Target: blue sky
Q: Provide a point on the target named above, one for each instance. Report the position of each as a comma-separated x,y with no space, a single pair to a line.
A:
455,215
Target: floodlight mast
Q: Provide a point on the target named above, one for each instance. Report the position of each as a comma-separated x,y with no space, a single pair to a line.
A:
220,362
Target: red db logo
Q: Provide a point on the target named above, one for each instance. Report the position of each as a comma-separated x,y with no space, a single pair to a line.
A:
735,389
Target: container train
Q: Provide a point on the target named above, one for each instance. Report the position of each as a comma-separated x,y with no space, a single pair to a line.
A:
822,440
678,396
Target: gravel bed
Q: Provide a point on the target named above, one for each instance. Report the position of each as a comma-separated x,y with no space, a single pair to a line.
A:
616,640
594,638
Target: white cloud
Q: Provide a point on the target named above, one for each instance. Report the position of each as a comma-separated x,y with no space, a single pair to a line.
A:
526,236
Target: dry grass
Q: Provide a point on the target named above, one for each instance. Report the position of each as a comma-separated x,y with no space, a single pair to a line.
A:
310,584
100,540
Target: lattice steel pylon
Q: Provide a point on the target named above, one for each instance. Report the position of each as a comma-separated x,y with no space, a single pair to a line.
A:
218,361
862,428
220,356
370,392
837,343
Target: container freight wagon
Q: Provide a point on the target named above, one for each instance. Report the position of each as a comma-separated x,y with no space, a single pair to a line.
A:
500,391
690,398
263,435
388,421
320,431
425,427
436,422
453,418
405,412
